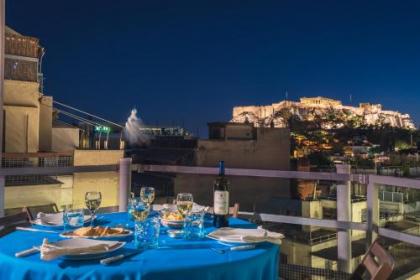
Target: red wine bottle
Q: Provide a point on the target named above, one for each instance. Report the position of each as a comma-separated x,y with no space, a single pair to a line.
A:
221,198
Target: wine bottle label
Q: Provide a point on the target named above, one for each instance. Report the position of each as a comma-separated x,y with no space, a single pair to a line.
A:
221,202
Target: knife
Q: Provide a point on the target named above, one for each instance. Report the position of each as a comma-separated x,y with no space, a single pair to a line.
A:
116,258
242,247
234,248
36,230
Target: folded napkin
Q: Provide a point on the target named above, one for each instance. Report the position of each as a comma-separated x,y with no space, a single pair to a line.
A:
235,235
50,218
50,251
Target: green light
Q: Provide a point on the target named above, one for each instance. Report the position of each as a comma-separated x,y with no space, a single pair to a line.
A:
101,128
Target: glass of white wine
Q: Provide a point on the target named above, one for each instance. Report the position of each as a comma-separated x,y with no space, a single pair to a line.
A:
184,203
147,195
140,211
132,201
93,201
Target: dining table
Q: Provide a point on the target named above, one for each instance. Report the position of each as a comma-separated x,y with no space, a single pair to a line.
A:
173,259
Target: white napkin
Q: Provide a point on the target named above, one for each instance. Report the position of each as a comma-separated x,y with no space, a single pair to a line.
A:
50,218
50,251
241,235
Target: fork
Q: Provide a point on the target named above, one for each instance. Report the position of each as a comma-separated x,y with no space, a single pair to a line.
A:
233,248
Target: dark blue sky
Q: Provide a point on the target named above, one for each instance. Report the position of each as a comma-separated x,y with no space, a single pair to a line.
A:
192,61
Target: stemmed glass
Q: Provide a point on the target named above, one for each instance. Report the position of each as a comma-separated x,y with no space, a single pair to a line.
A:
132,200
93,201
184,203
140,211
147,195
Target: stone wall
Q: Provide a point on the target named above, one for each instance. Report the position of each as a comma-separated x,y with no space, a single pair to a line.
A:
97,157
104,182
65,139
45,123
20,196
21,129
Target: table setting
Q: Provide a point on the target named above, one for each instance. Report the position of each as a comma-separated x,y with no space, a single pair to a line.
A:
170,241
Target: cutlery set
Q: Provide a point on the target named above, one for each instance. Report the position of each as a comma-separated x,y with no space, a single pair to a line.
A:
110,260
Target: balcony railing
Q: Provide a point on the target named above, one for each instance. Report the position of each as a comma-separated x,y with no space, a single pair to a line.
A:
13,160
343,179
28,160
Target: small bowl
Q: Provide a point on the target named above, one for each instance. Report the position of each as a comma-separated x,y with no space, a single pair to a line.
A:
172,224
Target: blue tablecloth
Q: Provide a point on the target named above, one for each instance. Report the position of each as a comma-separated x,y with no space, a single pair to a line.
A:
174,259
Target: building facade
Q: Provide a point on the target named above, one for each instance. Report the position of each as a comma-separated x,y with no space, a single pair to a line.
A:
31,139
241,146
27,112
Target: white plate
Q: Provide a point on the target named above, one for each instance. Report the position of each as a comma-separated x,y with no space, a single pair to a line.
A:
83,242
39,223
68,234
234,235
231,241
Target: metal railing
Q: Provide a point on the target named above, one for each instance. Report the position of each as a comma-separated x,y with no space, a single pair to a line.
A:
343,224
299,272
14,160
30,180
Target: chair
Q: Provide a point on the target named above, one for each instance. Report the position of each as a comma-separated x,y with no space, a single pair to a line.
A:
9,223
377,262
32,211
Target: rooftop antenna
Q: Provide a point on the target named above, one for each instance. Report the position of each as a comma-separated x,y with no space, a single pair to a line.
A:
351,99
286,95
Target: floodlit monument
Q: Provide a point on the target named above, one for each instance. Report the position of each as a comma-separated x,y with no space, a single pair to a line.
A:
310,108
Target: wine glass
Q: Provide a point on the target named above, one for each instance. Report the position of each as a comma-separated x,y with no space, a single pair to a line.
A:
93,201
184,203
140,211
147,195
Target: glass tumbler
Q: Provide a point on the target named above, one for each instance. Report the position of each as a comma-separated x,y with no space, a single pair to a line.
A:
146,233
73,218
194,226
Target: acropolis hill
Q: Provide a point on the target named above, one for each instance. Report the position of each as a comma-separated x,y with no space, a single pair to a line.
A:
331,112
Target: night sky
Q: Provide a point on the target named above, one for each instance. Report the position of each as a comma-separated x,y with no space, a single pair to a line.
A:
190,62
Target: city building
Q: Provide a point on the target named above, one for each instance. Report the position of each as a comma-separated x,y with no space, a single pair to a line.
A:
27,111
241,146
33,138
